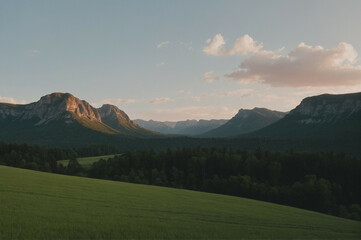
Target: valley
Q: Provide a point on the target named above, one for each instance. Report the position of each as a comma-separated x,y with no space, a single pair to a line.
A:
148,119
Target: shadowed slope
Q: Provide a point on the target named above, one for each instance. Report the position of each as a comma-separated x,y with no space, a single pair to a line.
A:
246,121
119,120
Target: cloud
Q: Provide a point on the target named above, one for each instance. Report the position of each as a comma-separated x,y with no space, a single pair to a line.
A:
161,100
11,100
208,77
242,46
305,66
117,101
233,93
162,44
238,93
161,64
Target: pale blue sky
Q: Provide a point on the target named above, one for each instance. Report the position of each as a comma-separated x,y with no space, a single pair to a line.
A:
102,51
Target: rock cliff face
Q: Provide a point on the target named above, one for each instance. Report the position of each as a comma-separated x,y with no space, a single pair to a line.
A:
113,112
64,108
117,119
320,116
51,107
327,108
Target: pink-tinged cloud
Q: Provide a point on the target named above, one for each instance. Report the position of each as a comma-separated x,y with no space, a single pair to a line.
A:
117,101
161,100
305,66
242,46
237,93
208,77
11,100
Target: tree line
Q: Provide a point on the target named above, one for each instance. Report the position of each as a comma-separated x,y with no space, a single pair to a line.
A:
324,182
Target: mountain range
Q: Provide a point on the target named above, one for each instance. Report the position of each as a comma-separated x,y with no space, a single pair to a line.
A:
61,116
61,119
188,127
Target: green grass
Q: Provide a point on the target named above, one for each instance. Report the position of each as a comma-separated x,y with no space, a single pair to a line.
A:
37,205
86,162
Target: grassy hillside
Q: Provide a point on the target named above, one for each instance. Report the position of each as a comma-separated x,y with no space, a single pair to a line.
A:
86,162
37,205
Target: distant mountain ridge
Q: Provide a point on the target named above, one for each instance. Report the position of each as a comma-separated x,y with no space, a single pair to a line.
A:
61,115
325,115
188,127
325,122
245,121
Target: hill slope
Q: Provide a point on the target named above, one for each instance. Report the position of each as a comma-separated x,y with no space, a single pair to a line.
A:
245,121
188,127
37,205
324,116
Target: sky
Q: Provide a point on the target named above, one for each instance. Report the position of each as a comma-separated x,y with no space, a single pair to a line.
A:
178,60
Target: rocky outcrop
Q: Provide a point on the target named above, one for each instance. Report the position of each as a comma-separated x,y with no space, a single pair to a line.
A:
51,107
112,112
119,120
327,108
64,108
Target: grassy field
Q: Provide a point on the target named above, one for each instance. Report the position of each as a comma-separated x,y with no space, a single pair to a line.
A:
86,162
37,205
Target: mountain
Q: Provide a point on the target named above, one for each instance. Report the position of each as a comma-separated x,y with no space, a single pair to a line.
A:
60,118
119,120
188,127
324,116
245,121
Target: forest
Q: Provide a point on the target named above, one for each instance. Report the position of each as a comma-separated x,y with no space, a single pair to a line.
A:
323,182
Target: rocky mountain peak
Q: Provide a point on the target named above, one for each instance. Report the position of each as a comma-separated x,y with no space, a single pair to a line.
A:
58,108
51,107
242,113
113,112
325,105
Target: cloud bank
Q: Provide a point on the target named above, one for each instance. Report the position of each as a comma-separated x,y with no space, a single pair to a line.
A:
237,92
242,46
117,101
11,100
208,77
305,66
161,100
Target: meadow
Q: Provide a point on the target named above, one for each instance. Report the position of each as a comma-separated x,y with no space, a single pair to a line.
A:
38,205
86,162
